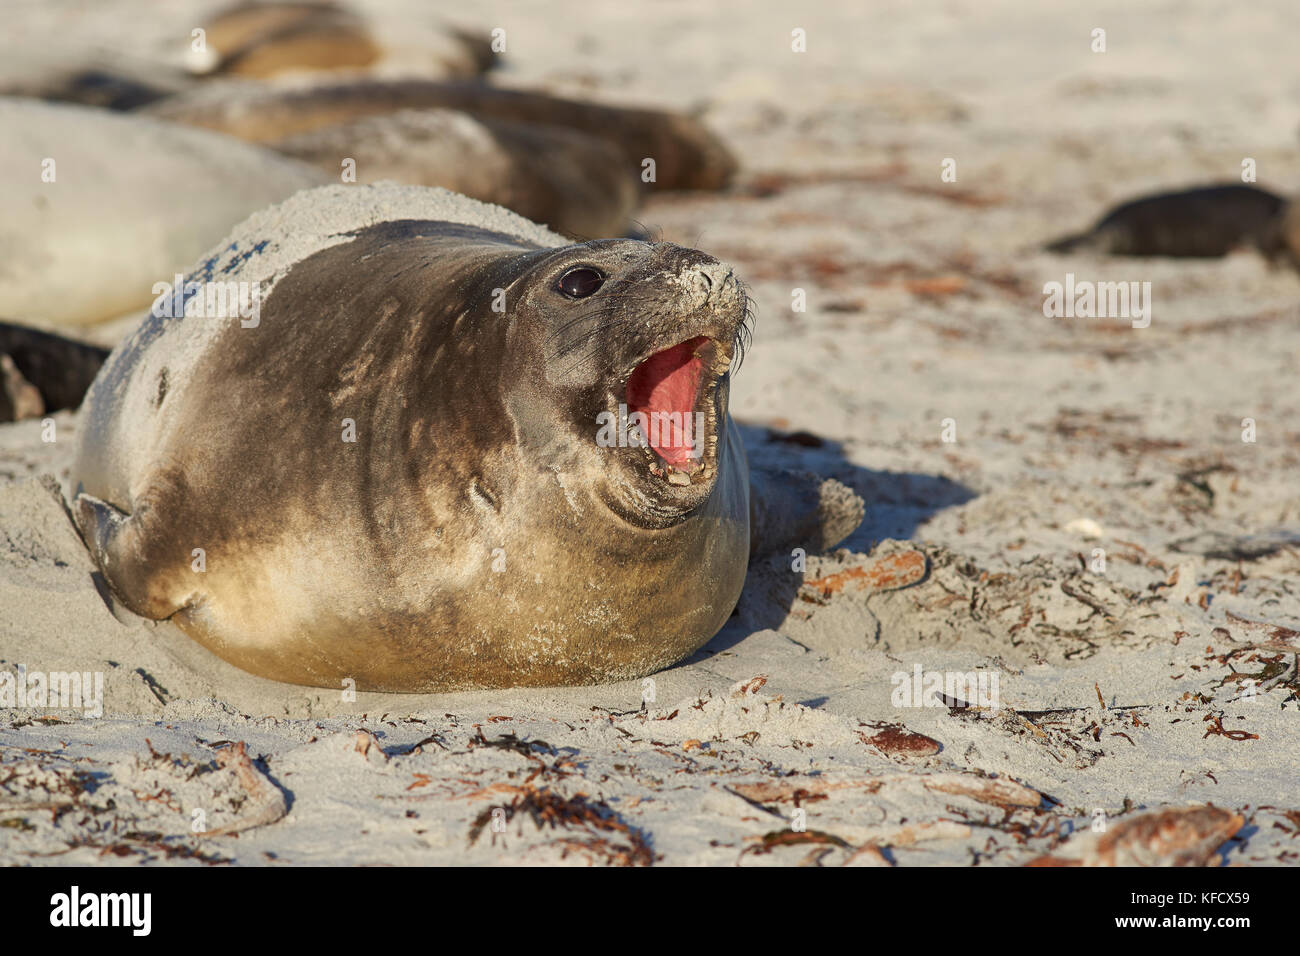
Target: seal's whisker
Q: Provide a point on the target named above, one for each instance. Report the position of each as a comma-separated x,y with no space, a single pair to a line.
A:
654,234
745,334
595,344
610,307
600,309
605,320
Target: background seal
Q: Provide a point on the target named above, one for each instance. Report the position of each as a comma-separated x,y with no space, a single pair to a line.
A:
475,534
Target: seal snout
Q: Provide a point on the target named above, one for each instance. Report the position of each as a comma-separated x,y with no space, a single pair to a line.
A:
672,391
709,284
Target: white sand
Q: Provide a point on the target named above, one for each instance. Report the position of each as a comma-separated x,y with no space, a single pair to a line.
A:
924,304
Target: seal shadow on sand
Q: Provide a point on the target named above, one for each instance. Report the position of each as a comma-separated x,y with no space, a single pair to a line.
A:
897,504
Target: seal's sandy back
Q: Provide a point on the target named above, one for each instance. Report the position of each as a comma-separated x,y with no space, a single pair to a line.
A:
258,252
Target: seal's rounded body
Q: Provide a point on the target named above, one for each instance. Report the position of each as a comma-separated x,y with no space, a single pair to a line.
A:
400,469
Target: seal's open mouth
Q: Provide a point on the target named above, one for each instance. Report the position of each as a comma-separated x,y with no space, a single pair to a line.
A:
670,399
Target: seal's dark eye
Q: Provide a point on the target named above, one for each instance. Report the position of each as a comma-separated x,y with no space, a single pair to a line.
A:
580,283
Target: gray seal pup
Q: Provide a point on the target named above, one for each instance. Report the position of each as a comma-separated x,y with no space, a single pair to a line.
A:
572,183
687,154
1206,222
452,452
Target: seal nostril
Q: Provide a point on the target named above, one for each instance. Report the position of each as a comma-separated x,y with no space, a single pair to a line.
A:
701,283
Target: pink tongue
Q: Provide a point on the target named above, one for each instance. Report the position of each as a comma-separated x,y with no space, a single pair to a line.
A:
664,388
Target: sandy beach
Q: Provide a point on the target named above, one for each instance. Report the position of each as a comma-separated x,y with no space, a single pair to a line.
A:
1096,520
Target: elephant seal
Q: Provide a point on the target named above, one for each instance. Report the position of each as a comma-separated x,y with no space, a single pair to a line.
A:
386,478
99,207
1206,222
686,154
277,42
573,183
268,40
263,39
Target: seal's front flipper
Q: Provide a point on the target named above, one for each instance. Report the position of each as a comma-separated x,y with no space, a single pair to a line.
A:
798,509
117,545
